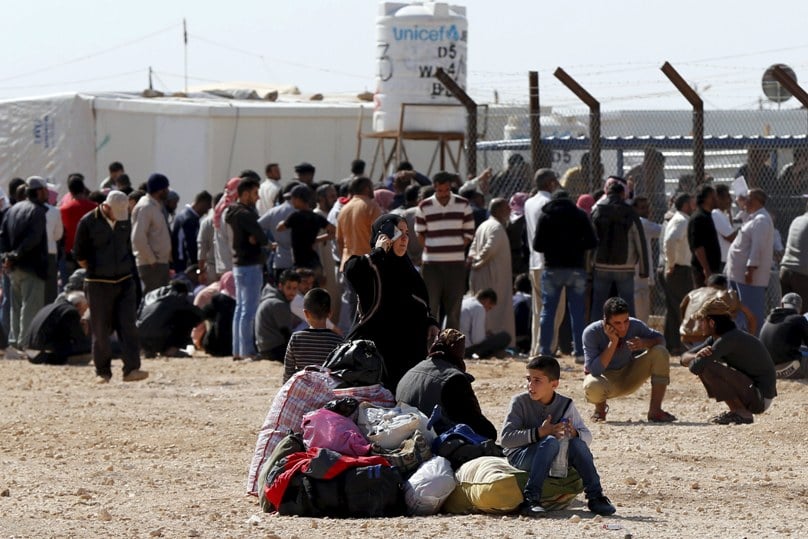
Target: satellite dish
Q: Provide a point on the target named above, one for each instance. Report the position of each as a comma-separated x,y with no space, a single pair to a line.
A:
773,90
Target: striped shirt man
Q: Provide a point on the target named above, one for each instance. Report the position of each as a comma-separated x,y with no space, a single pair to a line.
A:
447,229
444,225
308,347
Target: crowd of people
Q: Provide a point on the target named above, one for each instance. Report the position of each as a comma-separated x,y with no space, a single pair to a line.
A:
433,272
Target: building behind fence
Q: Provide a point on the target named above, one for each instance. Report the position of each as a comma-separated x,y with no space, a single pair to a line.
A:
654,148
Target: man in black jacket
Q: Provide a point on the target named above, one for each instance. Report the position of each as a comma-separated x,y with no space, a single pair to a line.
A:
24,247
166,319
785,336
103,247
621,247
59,333
248,263
564,234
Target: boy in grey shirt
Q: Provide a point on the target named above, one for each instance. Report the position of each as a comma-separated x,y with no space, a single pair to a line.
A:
531,434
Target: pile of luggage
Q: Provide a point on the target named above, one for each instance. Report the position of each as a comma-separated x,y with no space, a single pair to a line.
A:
326,450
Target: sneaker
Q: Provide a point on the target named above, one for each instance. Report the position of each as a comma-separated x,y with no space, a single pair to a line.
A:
102,379
786,370
135,376
579,360
731,418
532,510
601,505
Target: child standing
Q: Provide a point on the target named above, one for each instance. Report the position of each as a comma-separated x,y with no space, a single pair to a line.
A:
312,345
306,226
531,433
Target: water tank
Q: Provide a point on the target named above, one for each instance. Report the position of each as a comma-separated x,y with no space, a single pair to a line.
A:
412,41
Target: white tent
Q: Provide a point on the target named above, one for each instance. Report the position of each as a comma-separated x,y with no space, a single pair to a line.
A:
198,142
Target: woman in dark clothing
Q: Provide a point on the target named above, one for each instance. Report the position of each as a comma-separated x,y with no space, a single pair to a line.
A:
441,381
393,301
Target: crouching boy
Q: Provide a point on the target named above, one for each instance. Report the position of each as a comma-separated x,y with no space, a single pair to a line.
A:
531,433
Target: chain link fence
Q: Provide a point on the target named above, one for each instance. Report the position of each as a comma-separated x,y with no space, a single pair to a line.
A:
654,149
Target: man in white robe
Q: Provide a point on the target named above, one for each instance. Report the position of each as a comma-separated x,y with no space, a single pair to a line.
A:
490,261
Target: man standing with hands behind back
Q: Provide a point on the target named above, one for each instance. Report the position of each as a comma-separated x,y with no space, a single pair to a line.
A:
103,247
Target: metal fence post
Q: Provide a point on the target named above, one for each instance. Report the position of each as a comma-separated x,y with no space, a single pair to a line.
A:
698,118
594,125
538,156
782,76
471,121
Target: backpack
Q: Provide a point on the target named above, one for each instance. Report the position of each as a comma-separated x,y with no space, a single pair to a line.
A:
460,444
356,363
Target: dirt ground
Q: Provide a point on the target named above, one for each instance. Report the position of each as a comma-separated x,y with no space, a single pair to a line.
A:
168,458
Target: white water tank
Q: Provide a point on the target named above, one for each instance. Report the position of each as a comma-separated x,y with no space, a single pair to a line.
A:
412,41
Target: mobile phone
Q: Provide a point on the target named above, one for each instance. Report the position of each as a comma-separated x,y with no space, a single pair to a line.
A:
396,234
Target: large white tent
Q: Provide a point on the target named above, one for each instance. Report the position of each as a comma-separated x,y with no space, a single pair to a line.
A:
198,142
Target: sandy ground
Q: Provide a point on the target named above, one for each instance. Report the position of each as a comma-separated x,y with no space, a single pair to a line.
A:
168,458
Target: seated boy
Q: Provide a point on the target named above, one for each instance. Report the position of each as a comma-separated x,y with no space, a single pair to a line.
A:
312,345
531,433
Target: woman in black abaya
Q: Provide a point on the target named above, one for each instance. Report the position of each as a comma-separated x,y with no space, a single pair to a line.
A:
393,301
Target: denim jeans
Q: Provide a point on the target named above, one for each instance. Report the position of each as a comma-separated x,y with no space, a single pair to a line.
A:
248,294
537,458
553,281
754,297
27,298
601,285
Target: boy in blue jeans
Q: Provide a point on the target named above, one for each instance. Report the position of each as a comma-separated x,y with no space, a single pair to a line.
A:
531,432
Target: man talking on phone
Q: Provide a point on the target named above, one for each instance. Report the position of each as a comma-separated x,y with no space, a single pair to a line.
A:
620,354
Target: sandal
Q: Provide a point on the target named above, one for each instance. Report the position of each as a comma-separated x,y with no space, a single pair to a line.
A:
600,417
661,417
732,418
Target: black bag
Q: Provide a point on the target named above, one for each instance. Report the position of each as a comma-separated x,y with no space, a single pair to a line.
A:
356,363
364,492
345,406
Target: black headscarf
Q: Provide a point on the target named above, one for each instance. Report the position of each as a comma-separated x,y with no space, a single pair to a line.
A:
385,224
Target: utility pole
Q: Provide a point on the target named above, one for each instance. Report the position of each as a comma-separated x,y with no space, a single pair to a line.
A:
185,42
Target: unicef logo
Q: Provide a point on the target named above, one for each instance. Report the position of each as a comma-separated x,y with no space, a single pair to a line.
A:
441,33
